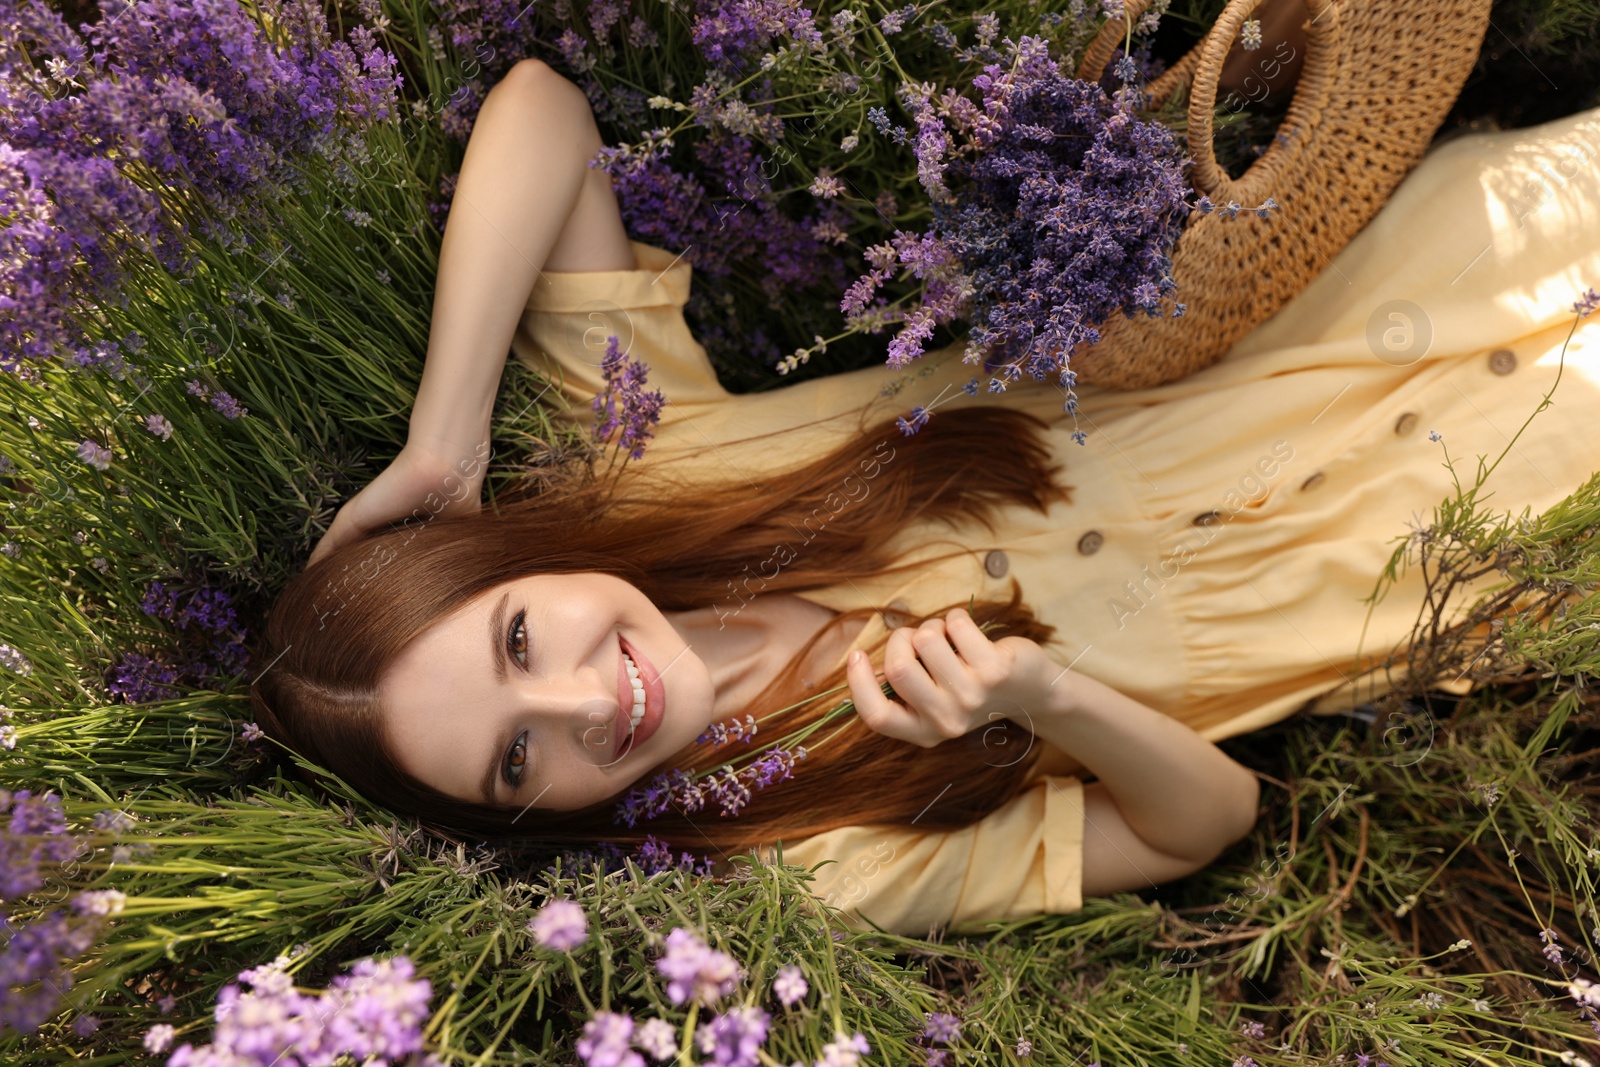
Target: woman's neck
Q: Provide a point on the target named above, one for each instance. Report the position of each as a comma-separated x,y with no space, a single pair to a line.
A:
747,650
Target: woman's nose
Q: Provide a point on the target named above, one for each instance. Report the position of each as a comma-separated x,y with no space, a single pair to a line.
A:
584,727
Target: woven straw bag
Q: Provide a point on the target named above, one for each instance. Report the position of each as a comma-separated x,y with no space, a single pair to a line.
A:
1378,78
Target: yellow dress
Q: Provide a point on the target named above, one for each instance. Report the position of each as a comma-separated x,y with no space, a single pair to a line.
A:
1225,528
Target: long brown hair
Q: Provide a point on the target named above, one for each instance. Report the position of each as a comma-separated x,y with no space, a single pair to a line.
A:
337,627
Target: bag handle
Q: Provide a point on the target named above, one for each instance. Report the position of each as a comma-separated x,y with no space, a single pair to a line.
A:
1204,62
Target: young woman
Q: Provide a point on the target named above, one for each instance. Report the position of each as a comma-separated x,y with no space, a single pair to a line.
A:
1202,575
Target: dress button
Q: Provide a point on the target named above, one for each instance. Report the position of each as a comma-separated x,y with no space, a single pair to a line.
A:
1090,542
1312,482
1406,423
1205,518
897,615
995,564
1502,361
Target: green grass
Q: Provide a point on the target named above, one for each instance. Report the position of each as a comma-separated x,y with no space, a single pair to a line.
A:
1331,925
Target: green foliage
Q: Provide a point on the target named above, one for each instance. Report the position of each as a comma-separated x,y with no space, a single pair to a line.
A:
1379,846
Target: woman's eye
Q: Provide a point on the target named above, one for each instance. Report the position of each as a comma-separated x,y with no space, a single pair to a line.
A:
517,638
515,759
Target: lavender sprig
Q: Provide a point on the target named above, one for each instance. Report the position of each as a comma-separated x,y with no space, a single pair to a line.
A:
623,404
729,785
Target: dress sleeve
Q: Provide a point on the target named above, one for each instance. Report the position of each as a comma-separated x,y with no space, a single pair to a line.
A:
1024,858
570,315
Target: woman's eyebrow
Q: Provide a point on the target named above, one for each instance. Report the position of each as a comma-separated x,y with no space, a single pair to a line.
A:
497,644
487,785
497,623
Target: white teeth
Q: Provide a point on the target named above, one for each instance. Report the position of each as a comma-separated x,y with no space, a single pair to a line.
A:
636,716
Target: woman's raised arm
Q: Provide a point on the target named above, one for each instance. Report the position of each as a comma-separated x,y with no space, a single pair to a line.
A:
526,199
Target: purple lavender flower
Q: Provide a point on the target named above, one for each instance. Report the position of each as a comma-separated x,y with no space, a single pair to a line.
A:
844,1051
941,1029
85,1026
641,36
1065,213
658,1038
605,1041
34,971
374,1012
94,455
1586,303
13,660
732,1039
623,404
720,733
33,816
726,218
36,953
560,925
895,21
695,971
655,856
251,732
112,821
727,32
1552,951
159,1037
36,835
1253,1030
919,419
826,186
731,789
789,987
99,902
139,679
378,1010
228,406
222,654
1024,1047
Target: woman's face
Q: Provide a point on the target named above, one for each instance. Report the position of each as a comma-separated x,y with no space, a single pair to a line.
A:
525,690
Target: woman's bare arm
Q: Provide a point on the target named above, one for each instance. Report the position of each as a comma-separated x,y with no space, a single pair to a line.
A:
1166,802
526,199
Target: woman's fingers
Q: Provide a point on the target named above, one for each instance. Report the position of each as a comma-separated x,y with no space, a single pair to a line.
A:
904,669
881,714
989,665
957,689
417,485
342,529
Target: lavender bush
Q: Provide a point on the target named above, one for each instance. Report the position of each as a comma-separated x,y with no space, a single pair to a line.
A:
939,157
195,99
221,226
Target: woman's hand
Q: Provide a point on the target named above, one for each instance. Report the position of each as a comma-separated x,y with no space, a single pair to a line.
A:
421,481
949,692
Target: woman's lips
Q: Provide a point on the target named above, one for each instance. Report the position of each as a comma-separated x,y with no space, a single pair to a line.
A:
655,699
